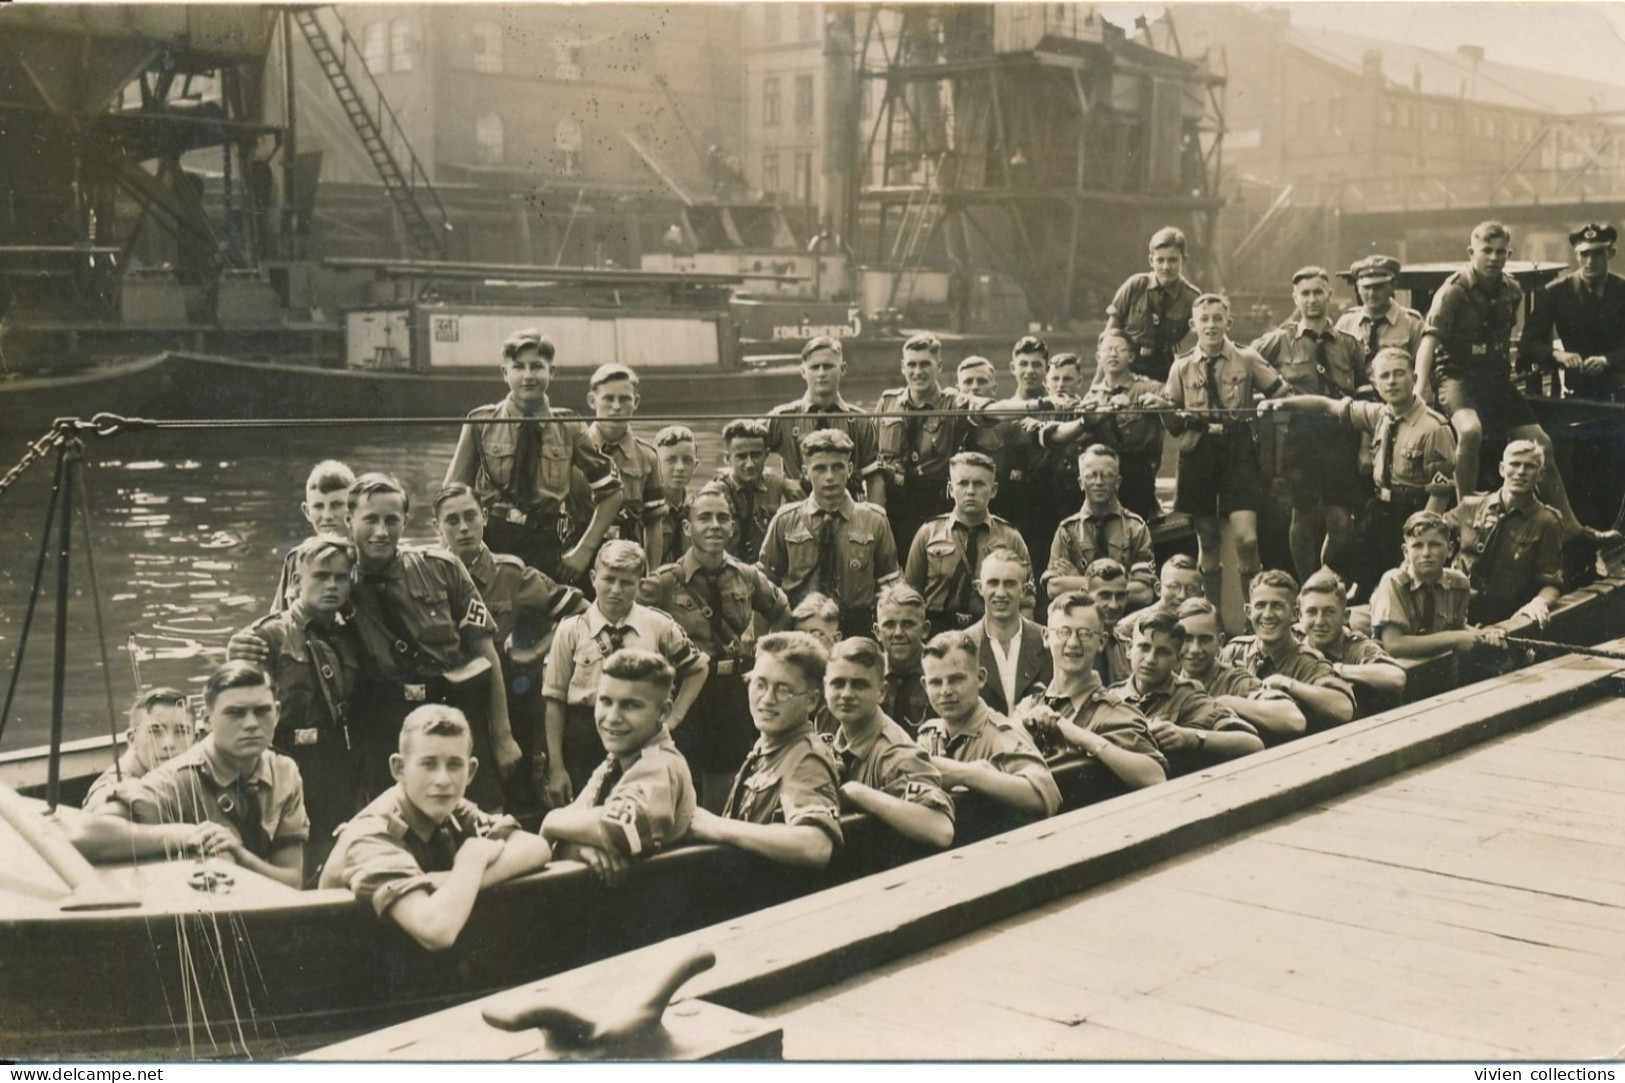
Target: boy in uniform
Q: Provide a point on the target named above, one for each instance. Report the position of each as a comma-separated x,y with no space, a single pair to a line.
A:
1108,584
1357,658
421,852
1274,655
976,377
975,748
1154,308
901,627
1267,709
1318,459
1077,707
830,543
326,508
1190,727
612,623
160,727
822,367
676,457
716,599
915,452
884,773
613,397
1511,543
1420,608
1219,475
1017,451
755,492
819,617
1011,647
1101,528
640,799
1113,420
785,802
1380,322
518,455
314,662
947,550
231,779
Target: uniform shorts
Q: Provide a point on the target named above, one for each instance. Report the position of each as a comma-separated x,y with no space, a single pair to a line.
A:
1321,464
1501,407
1220,476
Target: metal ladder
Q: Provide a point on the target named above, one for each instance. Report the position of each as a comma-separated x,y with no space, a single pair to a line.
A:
405,186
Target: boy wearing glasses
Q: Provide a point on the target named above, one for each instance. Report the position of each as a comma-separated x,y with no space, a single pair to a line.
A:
785,802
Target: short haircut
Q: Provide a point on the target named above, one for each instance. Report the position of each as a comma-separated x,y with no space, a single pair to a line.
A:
926,341
1153,621
1066,360
644,667
620,555
1106,570
1168,237
827,442
713,488
1421,522
1304,273
672,435
1325,581
943,644
376,483
974,361
1110,334
1272,578
815,606
528,339
1211,299
900,594
1101,451
1030,344
976,459
452,492
1069,602
822,342
320,547
235,674
1390,353
860,650
329,476
744,428
1182,561
434,720
1524,447
603,374
153,698
1004,552
1197,607
1491,230
801,651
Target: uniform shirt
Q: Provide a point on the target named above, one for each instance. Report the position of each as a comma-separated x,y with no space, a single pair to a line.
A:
389,848
675,543
1420,444
109,786
638,465
584,640
1184,702
434,600
1155,318
884,758
1131,435
754,507
1590,324
1225,680
903,699
726,634
1473,321
991,738
920,447
790,779
1314,362
865,554
1508,552
784,433
565,444
1355,649
1399,599
647,799
1127,540
518,596
198,787
1299,662
1098,711
1237,373
1399,327
314,667
940,564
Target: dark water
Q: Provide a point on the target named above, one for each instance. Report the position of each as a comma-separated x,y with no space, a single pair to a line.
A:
189,528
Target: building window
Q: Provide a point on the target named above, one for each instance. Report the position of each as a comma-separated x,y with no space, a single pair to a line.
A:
375,47
770,173
488,139
804,178
487,47
567,138
772,24
566,50
804,99
807,22
405,40
770,100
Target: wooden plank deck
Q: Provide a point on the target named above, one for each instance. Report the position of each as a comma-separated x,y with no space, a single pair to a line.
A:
1473,909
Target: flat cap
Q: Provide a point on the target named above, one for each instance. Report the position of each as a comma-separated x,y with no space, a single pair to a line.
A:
1594,235
1375,269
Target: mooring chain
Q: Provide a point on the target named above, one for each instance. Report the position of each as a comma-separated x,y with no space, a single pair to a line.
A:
36,451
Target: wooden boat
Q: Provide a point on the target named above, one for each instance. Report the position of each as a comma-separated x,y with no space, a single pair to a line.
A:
30,402
264,970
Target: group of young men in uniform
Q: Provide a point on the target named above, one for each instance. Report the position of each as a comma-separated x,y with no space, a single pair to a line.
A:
854,632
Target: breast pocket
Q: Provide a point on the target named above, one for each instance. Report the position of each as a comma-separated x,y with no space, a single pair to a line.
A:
802,550
1195,387
555,467
435,601
941,559
889,433
1234,389
934,449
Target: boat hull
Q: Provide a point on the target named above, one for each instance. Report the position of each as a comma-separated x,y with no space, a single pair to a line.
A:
29,404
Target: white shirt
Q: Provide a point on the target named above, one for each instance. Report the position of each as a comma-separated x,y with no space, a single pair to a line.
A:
1005,660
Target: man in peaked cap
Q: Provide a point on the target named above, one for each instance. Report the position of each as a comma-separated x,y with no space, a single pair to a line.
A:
1380,321
1586,308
